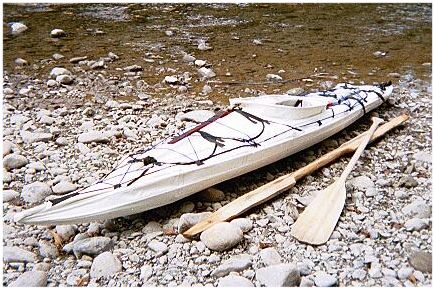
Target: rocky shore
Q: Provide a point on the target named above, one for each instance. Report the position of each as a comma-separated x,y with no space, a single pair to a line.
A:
66,123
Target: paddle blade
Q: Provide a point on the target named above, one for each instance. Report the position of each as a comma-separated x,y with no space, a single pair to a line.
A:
317,222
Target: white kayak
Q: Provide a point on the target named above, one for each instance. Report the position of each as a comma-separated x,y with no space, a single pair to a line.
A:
254,132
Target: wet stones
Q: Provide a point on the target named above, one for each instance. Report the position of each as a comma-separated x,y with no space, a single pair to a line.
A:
14,161
17,28
281,275
35,192
206,73
222,236
57,33
58,71
15,254
273,77
104,265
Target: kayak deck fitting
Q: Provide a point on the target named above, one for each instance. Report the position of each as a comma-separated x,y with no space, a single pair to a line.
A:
254,132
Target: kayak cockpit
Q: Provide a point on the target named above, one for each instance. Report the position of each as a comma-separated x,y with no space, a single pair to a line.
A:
287,107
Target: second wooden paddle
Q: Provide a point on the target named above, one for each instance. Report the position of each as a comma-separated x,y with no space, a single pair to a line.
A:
317,222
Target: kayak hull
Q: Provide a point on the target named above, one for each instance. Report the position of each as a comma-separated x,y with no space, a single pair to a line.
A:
180,181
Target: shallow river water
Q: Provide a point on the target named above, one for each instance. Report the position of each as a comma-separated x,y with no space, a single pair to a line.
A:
314,42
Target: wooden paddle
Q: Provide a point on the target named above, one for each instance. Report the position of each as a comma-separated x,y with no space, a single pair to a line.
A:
284,183
317,222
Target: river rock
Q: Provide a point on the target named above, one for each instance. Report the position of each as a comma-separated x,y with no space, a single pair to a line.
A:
31,279
171,79
21,62
146,272
31,137
104,265
188,58
65,232
14,161
64,79
48,250
56,71
206,72
8,147
421,261
270,256
9,195
408,182
76,277
16,254
222,236
281,275
243,223
234,264
323,279
196,115
94,136
418,209
159,248
17,28
186,221
92,246
64,187
273,77
423,156
211,195
235,281
56,33
35,192
415,224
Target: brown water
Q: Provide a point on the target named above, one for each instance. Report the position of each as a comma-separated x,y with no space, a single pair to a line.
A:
333,42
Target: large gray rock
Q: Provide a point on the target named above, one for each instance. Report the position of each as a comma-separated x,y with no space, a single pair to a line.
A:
157,247
234,264
92,246
222,236
415,224
15,254
35,192
421,261
186,221
31,279
418,209
64,187
9,195
104,265
14,161
31,137
235,281
94,136
281,275
270,256
323,279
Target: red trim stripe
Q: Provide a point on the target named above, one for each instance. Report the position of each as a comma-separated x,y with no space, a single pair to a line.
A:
200,126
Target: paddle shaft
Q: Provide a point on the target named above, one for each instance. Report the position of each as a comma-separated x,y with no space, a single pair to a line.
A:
361,148
272,189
